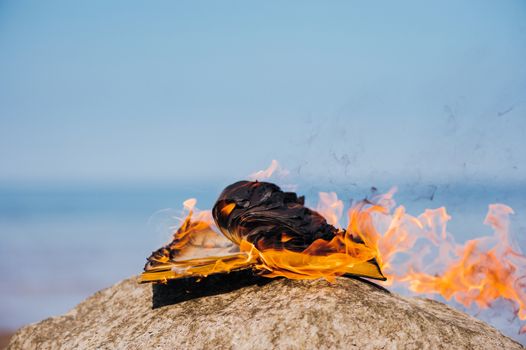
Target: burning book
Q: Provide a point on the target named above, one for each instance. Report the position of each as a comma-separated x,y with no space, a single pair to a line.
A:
255,225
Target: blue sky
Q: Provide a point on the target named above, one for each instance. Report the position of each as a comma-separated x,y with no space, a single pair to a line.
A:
162,91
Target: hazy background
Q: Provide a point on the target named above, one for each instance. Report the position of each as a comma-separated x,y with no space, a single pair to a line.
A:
110,112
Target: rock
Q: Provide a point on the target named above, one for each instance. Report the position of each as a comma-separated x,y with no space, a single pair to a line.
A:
243,312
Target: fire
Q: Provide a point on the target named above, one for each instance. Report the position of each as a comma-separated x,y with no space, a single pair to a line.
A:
479,272
321,259
270,231
255,225
273,169
310,265
330,207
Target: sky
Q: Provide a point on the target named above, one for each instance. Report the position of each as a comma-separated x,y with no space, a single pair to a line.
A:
165,91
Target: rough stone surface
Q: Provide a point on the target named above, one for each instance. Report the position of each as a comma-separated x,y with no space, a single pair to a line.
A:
239,312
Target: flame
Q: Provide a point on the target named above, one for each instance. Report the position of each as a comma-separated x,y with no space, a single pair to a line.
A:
415,252
195,243
311,265
189,204
274,168
477,273
480,271
322,259
330,207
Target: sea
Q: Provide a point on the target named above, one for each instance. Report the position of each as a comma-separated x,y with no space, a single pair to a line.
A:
61,243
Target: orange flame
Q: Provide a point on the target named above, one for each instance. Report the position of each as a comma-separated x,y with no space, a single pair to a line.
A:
322,259
330,207
274,168
478,273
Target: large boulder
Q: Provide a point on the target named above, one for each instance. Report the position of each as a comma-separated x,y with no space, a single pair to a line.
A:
243,312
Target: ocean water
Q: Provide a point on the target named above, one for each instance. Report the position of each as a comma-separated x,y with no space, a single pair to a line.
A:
60,244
